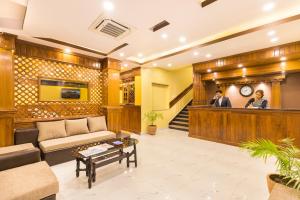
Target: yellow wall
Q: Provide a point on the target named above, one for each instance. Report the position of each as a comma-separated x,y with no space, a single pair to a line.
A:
138,88
176,80
53,93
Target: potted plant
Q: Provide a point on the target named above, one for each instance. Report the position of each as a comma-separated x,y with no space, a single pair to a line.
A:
287,162
151,118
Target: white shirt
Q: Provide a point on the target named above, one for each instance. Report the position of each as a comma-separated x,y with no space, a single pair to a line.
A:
220,101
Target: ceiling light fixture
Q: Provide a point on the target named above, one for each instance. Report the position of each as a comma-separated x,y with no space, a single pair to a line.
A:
67,50
240,65
109,6
154,64
169,65
164,36
140,55
268,7
271,33
182,39
208,55
122,54
125,65
208,70
244,76
275,39
195,53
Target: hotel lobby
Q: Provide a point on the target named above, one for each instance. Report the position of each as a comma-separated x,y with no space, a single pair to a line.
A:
150,100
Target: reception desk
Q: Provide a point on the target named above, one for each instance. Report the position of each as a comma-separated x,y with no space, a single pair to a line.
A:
234,125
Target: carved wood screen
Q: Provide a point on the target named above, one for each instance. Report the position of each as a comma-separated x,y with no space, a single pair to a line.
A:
27,72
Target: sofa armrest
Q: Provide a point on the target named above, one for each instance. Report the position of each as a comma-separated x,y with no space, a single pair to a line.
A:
19,158
27,136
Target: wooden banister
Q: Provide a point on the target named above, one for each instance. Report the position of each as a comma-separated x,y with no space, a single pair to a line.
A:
180,96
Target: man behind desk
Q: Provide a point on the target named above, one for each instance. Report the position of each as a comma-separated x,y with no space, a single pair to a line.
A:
220,101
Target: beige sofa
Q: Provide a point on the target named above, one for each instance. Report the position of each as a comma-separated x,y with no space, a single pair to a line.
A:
23,176
57,139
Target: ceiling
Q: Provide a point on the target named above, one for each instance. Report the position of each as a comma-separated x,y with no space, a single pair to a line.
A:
69,21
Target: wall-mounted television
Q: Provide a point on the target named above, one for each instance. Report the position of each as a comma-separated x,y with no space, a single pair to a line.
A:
67,93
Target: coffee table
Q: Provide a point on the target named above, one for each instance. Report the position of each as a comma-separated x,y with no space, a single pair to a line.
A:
113,154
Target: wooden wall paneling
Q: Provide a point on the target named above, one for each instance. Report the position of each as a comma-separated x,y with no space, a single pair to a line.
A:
241,127
111,82
253,58
114,118
28,49
7,111
293,127
234,126
291,67
199,90
276,95
131,118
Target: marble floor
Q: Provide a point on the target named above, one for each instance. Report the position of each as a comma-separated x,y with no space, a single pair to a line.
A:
172,166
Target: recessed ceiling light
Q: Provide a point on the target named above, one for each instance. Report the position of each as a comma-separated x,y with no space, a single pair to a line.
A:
208,55
283,59
67,50
268,6
274,39
240,65
182,39
140,55
169,65
154,64
208,70
122,54
125,65
195,53
271,33
109,6
164,36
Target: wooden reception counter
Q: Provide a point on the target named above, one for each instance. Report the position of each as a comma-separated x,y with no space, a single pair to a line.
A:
235,125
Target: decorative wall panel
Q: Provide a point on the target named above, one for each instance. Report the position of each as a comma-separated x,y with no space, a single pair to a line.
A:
28,70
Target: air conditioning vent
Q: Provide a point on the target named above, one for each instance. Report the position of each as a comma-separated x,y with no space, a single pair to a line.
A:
109,27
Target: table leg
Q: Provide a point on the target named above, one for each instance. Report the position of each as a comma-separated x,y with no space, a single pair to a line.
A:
134,154
127,159
77,167
121,153
94,173
89,170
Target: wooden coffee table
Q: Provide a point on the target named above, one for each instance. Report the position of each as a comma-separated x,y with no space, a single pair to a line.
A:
113,154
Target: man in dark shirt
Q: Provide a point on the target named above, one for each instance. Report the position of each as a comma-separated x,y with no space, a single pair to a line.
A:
220,101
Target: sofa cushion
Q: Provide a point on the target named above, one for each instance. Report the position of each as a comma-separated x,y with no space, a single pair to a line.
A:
34,181
97,124
51,130
76,126
16,148
76,140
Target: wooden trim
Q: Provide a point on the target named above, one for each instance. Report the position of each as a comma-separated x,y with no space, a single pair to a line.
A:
253,58
180,96
72,45
252,80
117,48
228,37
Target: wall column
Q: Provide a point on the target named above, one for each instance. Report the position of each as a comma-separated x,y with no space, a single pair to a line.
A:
199,90
7,111
111,93
276,95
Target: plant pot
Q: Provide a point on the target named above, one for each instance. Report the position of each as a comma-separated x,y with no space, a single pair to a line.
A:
276,179
151,129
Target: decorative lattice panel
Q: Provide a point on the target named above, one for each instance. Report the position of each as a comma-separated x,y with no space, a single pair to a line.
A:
27,73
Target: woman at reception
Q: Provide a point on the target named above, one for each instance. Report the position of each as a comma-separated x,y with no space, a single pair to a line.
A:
258,102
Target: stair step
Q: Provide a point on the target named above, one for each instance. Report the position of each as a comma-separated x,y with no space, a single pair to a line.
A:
183,116
181,128
183,111
180,123
182,119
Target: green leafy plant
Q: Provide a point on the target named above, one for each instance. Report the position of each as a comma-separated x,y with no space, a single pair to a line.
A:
286,154
152,117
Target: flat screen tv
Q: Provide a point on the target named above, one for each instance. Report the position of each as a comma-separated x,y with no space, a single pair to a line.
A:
67,93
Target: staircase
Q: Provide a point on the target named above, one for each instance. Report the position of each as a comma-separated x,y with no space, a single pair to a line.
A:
181,121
